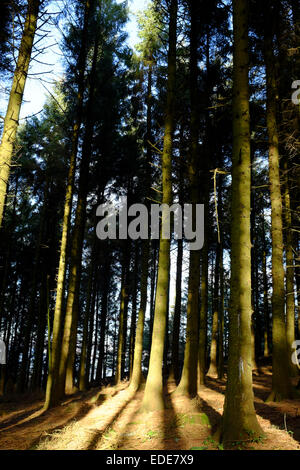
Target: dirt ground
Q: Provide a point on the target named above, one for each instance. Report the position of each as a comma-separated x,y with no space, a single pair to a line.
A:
110,419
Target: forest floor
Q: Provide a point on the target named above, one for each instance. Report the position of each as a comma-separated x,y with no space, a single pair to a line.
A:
110,419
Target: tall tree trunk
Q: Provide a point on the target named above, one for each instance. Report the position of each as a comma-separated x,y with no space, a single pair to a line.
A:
122,318
221,318
281,385
83,378
53,391
133,318
136,377
188,383
153,396
11,121
32,302
239,420
103,319
201,367
290,290
267,340
174,371
71,318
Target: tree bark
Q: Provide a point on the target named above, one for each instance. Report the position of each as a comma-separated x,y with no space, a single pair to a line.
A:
239,420
153,396
281,385
11,121
53,391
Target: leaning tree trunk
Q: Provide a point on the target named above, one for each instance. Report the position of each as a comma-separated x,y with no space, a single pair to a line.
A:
239,420
153,396
11,120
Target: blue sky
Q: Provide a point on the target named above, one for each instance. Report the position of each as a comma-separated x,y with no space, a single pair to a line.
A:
35,90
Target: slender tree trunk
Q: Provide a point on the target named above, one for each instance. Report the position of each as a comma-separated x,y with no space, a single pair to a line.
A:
122,318
103,320
53,391
267,339
201,367
239,420
153,396
11,121
41,328
213,369
174,371
138,348
153,290
290,290
83,378
188,383
221,318
32,303
133,318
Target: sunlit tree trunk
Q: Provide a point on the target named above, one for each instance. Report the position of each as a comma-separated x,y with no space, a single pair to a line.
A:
188,382
153,396
136,377
11,120
281,385
53,391
289,277
239,420
71,317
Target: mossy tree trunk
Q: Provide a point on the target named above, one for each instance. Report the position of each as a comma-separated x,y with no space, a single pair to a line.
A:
239,420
